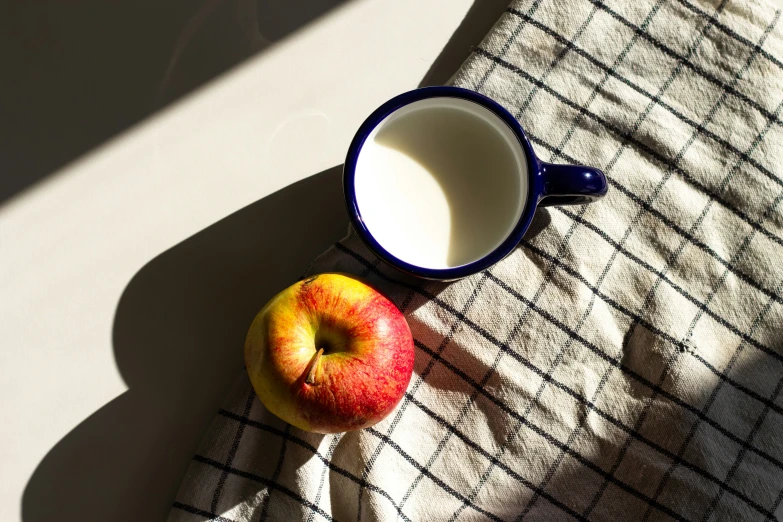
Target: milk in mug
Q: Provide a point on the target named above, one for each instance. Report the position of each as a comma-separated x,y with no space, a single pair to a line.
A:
441,182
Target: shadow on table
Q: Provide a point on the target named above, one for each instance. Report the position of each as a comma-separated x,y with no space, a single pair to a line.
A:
77,73
178,335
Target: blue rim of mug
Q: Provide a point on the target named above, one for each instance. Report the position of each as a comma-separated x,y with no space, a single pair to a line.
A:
535,184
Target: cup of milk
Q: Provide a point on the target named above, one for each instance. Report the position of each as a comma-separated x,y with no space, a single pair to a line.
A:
442,182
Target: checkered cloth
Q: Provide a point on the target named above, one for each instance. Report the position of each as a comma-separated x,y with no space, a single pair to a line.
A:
626,361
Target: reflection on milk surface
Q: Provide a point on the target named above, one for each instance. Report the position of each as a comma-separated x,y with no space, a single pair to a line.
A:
441,182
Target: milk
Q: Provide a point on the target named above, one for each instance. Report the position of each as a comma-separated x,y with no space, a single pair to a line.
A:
441,182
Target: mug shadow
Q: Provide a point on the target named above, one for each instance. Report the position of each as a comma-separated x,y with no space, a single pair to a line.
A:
178,335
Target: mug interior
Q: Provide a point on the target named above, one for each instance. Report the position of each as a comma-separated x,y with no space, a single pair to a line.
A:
441,182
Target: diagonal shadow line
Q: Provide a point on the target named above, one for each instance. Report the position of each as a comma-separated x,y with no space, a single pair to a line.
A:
477,23
81,72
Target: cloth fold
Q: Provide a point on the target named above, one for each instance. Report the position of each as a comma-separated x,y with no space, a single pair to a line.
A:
626,361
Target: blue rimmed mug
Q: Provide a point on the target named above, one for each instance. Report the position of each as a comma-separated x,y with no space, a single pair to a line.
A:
442,183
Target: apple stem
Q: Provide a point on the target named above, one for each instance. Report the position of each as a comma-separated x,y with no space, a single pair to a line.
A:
311,374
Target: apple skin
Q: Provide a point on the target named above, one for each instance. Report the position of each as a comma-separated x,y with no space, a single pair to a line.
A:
366,365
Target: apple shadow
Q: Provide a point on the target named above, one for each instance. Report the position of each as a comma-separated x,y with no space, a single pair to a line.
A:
178,335
461,357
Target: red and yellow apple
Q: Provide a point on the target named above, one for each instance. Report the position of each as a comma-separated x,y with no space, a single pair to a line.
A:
330,354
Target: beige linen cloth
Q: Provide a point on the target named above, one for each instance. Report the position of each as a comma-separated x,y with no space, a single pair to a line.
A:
626,361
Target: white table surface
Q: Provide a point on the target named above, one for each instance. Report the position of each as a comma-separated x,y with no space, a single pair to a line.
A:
129,276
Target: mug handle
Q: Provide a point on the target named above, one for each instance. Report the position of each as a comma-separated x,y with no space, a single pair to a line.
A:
571,184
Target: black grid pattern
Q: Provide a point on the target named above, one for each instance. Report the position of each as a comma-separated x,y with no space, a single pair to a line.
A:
624,363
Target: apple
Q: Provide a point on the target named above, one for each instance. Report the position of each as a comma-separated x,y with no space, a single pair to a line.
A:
330,354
